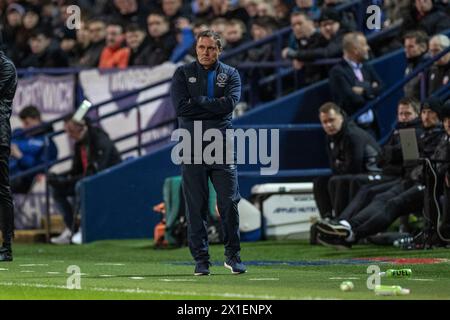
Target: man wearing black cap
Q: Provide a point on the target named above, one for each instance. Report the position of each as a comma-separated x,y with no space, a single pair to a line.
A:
403,198
332,34
8,85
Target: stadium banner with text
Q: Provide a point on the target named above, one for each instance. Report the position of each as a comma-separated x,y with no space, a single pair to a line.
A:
54,96
102,85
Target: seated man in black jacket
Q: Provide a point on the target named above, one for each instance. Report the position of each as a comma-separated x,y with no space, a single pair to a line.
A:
402,198
94,152
345,189
353,82
351,151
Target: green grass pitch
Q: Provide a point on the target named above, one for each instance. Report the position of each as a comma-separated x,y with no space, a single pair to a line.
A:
132,269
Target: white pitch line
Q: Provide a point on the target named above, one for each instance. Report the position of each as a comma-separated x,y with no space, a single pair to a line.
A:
3,269
265,279
27,271
162,292
137,278
109,264
53,272
341,278
177,280
106,275
34,265
421,280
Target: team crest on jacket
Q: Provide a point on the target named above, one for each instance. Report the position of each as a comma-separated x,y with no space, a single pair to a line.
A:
221,79
192,79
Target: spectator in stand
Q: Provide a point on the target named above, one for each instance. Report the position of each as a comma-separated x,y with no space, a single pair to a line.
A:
43,54
218,25
11,31
309,7
28,148
114,54
265,9
330,45
304,36
416,46
129,11
82,42
97,35
162,39
262,27
173,9
138,42
68,44
424,15
224,9
185,39
202,11
234,37
94,152
354,83
439,74
282,11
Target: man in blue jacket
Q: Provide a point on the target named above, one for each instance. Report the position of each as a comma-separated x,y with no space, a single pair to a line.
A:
204,94
28,148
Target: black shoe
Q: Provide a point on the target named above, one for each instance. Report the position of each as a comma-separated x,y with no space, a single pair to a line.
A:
333,228
5,254
235,265
202,269
335,242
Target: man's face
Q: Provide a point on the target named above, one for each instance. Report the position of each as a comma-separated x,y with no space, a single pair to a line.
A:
14,18
424,6
126,6
28,123
429,118
39,44
446,123
405,113
259,32
233,33
134,38
203,5
362,49
300,26
331,122
171,7
114,36
157,26
434,49
413,49
74,131
304,4
328,28
97,31
207,51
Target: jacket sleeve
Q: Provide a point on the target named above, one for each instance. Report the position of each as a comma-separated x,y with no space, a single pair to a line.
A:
182,101
223,105
342,88
371,92
333,49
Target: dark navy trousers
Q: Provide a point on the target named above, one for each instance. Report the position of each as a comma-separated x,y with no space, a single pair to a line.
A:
196,193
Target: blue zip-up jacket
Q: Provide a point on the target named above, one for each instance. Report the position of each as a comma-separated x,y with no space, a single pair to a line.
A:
206,95
32,147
